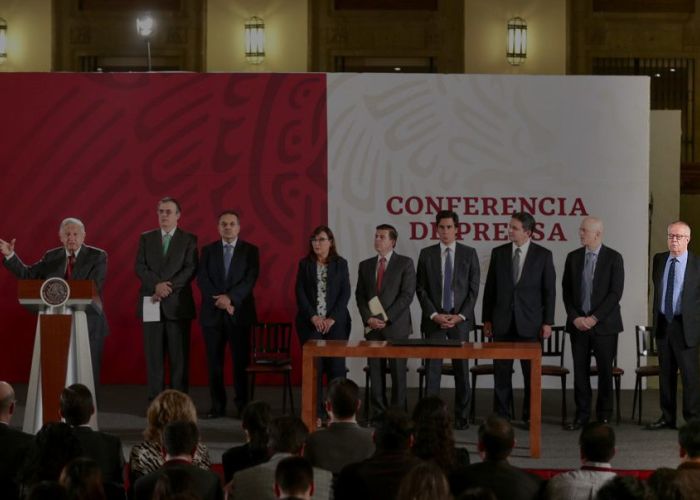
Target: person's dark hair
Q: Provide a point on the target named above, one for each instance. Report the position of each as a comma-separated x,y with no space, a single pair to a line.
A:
447,214
294,475
172,482
392,430
623,488
287,434
54,446
332,252
425,481
432,431
82,478
597,442
228,211
497,437
393,233
180,438
527,220
256,419
477,493
47,490
76,404
689,438
170,199
662,484
344,396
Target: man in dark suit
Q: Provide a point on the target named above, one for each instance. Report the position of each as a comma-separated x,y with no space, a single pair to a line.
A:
226,278
73,261
14,444
166,263
594,277
448,284
518,303
676,278
180,439
392,279
76,409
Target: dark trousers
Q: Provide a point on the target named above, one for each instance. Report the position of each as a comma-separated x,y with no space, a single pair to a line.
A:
503,378
332,368
433,373
238,339
675,355
397,368
173,337
604,349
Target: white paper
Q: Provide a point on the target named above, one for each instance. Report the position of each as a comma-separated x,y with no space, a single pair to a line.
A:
377,310
151,310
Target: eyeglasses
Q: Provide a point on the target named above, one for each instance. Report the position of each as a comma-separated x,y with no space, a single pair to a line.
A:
319,240
677,236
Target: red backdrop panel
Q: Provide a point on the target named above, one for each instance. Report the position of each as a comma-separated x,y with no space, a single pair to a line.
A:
106,147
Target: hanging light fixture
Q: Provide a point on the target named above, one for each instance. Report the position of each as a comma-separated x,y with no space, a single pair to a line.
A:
516,49
3,40
254,40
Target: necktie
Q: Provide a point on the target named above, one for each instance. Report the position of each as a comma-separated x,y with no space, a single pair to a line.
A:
668,299
587,282
166,243
516,265
69,266
380,273
447,305
228,253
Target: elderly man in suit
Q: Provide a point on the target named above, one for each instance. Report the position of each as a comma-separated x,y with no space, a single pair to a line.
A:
676,278
226,277
14,444
166,263
392,279
518,303
73,261
594,277
448,284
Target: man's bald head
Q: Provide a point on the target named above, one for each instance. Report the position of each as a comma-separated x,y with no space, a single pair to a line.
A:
591,232
7,401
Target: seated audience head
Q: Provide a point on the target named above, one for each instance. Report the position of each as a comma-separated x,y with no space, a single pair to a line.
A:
496,438
82,479
393,431
597,442
47,490
287,435
294,478
477,493
343,399
176,483
180,439
54,446
168,406
434,439
689,441
76,405
255,421
426,481
623,488
7,402
662,484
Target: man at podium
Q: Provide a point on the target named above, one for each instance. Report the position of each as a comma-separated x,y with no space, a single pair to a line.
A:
72,261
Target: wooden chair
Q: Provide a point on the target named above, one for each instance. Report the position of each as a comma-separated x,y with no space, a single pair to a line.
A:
481,368
270,352
554,347
646,346
617,374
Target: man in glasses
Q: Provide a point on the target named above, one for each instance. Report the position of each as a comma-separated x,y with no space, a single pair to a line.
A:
676,278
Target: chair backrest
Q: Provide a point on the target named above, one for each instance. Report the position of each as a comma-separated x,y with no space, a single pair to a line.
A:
270,341
646,343
555,345
477,335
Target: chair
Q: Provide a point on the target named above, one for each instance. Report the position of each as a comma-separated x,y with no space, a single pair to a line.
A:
553,347
480,368
270,353
617,374
646,346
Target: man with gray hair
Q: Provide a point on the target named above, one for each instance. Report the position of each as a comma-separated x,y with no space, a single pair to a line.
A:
13,444
72,261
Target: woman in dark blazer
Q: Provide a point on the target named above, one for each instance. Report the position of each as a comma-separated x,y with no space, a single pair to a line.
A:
323,292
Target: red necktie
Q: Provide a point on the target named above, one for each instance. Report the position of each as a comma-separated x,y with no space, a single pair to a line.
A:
69,267
380,273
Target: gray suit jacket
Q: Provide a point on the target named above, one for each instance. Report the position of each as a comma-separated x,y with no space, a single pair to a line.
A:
178,266
342,443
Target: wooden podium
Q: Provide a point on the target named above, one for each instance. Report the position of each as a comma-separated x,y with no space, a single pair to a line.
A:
61,349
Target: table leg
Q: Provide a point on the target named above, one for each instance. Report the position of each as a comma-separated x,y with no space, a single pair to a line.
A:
308,390
535,406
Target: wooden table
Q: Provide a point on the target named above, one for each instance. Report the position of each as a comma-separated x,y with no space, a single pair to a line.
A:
376,349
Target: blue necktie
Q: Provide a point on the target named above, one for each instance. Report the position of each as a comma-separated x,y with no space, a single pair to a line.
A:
447,305
228,253
587,283
668,299
516,265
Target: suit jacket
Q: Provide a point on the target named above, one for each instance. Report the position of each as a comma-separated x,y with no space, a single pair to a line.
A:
104,449
506,481
396,295
608,282
238,285
530,301
466,276
337,297
242,457
90,264
178,267
340,444
690,296
377,478
14,445
205,483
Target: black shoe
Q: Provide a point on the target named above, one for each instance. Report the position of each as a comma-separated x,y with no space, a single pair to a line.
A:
575,425
461,424
659,424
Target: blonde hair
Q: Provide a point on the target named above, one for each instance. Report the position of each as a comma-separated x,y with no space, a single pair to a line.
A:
168,406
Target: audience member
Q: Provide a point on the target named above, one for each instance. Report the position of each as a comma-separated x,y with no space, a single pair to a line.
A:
343,442
379,476
82,479
287,437
294,479
623,488
47,490
477,493
77,406
426,481
177,483
254,420
662,483
180,440
597,447
434,439
687,479
13,444
496,442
